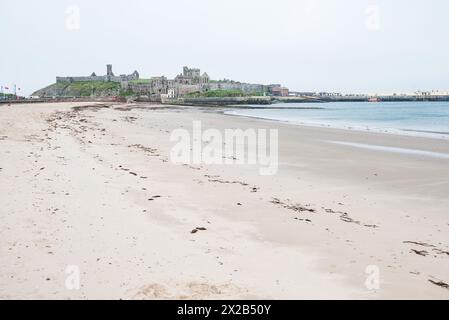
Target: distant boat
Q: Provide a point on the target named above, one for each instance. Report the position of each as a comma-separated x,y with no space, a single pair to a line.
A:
374,99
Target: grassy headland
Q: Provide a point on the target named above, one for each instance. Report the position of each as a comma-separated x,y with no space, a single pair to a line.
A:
80,89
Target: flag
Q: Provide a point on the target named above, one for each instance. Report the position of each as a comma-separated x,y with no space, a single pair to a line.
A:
6,88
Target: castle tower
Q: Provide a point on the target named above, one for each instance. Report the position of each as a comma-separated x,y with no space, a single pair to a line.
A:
109,70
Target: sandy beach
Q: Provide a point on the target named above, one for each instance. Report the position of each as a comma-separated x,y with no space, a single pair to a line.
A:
91,186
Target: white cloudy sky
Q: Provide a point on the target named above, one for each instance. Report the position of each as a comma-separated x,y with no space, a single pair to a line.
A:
333,45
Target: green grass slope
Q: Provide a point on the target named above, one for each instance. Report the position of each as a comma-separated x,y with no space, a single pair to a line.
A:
80,89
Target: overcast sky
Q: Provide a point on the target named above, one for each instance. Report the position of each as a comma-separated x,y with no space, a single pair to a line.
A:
307,45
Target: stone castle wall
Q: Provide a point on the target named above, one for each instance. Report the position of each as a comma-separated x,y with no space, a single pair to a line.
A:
98,78
109,77
180,89
80,79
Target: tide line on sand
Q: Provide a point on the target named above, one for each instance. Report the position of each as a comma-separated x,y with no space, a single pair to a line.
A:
393,149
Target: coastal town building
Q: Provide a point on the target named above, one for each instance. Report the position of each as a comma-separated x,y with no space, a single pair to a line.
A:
279,91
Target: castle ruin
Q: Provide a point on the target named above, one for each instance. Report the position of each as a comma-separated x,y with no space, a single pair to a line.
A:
191,80
109,77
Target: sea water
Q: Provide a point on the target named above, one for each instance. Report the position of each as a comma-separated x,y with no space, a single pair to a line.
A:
410,118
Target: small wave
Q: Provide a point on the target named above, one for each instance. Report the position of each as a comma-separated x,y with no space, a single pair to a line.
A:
426,131
392,149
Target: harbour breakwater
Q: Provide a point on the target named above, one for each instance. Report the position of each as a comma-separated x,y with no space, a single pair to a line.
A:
393,98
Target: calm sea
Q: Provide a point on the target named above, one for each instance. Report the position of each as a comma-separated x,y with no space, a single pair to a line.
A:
411,118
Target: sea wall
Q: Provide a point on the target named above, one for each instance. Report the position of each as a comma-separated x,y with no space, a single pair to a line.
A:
397,98
218,101
245,87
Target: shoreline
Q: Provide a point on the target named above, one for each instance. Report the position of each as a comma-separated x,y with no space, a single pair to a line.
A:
388,131
94,187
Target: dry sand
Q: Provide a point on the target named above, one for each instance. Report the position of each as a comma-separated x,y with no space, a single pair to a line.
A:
95,188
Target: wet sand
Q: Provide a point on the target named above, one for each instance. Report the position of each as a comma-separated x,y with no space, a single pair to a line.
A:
94,187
